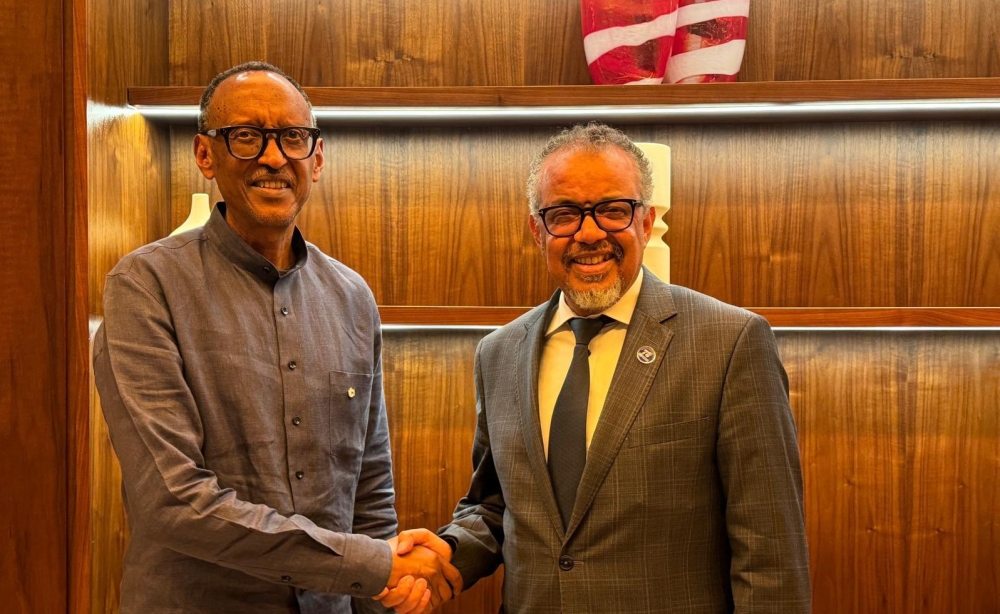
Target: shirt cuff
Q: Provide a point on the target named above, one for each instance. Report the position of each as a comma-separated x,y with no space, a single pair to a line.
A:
367,566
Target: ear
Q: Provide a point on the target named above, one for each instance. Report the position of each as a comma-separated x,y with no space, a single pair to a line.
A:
535,230
647,224
203,156
318,160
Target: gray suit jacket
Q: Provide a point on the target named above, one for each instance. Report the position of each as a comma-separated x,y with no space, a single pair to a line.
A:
691,499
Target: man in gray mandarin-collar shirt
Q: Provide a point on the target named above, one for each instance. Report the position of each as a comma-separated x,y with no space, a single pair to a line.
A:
240,374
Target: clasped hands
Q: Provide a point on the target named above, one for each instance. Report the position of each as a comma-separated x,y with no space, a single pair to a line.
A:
422,575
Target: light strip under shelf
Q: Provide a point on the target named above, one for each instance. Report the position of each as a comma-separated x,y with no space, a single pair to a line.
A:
871,110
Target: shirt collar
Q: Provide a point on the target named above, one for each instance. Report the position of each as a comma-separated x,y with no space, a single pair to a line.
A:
236,250
620,312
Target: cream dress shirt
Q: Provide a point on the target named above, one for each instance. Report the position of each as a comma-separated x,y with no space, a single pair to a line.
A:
557,354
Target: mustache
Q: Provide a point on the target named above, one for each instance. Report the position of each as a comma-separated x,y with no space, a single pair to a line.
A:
268,175
580,249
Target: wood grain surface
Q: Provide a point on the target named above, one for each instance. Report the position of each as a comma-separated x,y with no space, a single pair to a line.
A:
75,141
129,206
43,320
382,42
373,43
129,161
900,440
431,402
861,39
109,525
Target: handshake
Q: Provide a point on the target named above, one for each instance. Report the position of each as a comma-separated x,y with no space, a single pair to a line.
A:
422,576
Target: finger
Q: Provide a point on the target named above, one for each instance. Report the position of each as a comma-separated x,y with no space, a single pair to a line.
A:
399,593
442,591
382,595
404,543
414,598
453,576
425,605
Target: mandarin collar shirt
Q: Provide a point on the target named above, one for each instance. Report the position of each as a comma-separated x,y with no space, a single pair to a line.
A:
245,405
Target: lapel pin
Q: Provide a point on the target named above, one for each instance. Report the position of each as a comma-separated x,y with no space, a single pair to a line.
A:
646,354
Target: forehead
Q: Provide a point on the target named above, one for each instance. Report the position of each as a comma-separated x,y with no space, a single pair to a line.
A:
258,98
588,175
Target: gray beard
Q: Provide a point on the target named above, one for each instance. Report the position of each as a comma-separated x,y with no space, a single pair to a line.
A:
597,301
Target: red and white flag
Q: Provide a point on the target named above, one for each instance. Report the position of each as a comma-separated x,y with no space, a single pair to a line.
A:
628,41
709,43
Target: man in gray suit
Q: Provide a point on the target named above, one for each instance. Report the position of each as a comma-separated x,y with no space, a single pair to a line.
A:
635,450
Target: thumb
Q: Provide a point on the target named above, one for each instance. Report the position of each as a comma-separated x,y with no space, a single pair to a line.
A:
404,543
427,539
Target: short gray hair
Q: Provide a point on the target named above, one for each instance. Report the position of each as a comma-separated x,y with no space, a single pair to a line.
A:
597,137
254,66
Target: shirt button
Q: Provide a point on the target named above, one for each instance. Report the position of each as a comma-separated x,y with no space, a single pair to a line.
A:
299,475
355,587
566,563
284,311
286,579
292,365
296,421
350,392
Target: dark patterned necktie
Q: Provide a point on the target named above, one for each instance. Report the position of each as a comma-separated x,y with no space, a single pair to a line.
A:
568,433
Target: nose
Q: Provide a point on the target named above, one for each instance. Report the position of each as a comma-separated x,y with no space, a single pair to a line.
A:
272,156
589,231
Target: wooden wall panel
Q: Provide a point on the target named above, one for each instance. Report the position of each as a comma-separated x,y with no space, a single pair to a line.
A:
43,321
431,402
900,440
839,215
520,42
109,526
796,215
130,156
129,206
868,39
382,42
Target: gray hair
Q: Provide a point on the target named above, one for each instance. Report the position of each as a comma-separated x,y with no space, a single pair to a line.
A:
597,137
255,66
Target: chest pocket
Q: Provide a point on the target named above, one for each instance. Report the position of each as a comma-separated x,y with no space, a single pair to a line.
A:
350,396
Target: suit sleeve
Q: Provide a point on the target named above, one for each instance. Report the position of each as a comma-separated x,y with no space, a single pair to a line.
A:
174,500
476,531
762,479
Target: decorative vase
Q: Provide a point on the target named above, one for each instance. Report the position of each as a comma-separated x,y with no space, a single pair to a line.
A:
656,256
709,43
200,212
628,41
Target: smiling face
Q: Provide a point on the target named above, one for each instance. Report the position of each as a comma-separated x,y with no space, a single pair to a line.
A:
593,268
266,194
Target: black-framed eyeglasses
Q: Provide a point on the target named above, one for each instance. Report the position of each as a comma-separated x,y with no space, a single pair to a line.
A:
609,215
249,142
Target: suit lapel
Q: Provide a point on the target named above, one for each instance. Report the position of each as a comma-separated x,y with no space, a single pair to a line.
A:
629,387
529,358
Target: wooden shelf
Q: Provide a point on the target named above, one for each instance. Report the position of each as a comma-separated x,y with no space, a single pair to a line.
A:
848,100
784,317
